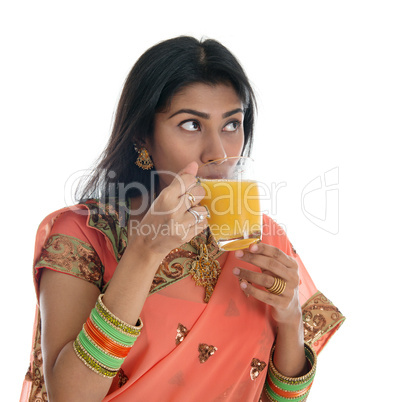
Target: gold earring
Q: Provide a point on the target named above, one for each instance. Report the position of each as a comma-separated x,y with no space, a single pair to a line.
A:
144,160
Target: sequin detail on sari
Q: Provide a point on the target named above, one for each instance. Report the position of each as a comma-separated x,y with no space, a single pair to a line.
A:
206,351
182,332
256,367
34,374
320,316
122,378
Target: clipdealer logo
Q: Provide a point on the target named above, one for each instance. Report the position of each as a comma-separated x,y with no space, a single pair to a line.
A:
320,201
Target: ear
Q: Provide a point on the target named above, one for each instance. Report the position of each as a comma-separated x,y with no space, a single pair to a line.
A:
148,145
138,144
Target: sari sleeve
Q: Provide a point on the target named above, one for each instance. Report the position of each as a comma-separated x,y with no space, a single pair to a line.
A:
70,248
63,244
321,318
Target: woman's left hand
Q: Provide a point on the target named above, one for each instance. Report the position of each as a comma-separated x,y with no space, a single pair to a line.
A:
273,263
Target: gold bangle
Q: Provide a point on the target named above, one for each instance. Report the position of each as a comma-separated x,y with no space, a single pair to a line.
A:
311,356
91,363
119,324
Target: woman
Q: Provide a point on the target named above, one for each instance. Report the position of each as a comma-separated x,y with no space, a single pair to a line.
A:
184,103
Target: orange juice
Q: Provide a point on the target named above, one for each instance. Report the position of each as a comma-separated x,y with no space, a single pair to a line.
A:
234,207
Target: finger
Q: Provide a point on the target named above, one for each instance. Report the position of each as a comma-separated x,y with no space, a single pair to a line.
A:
185,177
268,251
196,216
257,278
267,264
190,228
184,183
193,196
191,168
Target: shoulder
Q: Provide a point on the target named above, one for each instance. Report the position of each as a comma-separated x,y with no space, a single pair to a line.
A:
93,221
77,219
68,221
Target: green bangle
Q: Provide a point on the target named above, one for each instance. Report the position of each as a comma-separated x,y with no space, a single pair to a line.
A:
311,357
273,397
290,388
95,356
110,330
108,361
296,383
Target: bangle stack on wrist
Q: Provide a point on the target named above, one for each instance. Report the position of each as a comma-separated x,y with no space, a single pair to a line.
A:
280,388
105,341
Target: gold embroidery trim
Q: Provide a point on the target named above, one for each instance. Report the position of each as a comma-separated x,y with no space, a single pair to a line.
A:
110,218
179,264
69,254
35,374
320,316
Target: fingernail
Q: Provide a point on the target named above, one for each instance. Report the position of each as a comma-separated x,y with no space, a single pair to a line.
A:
236,271
239,253
243,285
253,247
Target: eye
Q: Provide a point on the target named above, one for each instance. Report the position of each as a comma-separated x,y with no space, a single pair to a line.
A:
232,126
190,125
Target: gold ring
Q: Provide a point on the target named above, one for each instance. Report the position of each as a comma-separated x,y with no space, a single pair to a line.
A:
191,198
278,287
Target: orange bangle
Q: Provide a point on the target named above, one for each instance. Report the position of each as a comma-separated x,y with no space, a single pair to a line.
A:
286,394
105,342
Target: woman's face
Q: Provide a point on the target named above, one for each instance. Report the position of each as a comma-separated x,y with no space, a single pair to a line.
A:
203,123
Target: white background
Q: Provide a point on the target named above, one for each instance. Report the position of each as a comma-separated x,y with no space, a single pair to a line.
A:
328,81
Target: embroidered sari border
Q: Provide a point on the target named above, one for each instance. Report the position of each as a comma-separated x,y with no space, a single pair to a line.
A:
111,219
321,319
72,256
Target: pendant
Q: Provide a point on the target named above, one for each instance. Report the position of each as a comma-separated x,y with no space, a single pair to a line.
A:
205,271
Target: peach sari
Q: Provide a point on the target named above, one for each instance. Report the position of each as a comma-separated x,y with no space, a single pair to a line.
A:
188,349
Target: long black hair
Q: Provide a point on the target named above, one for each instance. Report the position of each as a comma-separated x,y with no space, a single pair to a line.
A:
155,78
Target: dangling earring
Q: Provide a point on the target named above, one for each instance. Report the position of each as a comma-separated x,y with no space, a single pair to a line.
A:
144,160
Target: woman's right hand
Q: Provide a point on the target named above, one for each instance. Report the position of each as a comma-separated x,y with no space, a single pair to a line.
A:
168,223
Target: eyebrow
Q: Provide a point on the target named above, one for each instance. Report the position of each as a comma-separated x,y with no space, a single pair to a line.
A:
206,115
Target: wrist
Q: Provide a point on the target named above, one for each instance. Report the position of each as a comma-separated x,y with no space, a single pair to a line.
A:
289,357
292,326
149,255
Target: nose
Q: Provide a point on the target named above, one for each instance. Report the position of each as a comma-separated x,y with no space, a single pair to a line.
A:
213,148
